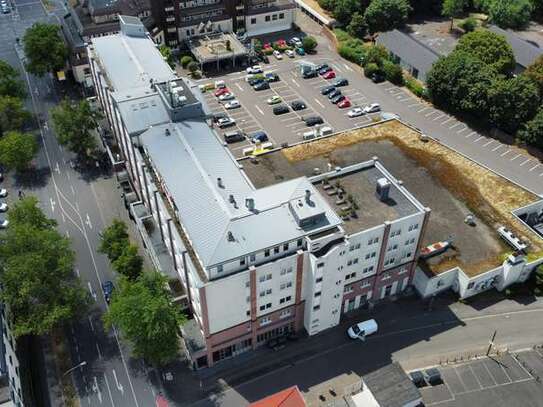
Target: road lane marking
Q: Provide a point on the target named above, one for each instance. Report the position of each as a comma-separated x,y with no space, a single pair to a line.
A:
109,389
92,293
319,103
96,389
497,147
77,272
515,157
90,323
99,351
119,385
527,161
535,166
88,221
489,142
52,204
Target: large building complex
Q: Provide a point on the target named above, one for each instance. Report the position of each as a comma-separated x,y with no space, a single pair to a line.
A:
178,21
11,393
256,262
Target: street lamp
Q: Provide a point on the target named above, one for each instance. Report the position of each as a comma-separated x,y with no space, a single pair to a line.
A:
75,367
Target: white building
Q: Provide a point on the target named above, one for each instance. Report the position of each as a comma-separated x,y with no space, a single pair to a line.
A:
11,394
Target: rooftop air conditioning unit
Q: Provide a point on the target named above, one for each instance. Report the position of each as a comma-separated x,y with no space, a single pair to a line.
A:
383,188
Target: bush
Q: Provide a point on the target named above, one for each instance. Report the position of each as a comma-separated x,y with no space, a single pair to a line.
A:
309,43
416,87
469,24
385,15
350,48
376,54
185,60
267,51
510,13
393,73
193,66
370,69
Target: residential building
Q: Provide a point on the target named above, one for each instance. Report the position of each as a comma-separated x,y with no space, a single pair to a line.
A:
256,262
95,18
414,56
177,22
291,397
11,393
525,52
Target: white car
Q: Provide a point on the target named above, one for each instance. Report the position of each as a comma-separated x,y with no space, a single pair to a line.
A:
290,53
4,224
3,193
355,112
3,207
374,107
225,122
234,104
254,69
296,41
277,54
362,329
226,96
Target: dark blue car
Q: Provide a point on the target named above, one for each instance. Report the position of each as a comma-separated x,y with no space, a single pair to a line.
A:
107,288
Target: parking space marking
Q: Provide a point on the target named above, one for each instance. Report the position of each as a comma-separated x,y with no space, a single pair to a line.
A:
526,161
462,130
239,86
497,147
259,110
478,139
347,67
431,113
319,103
414,104
296,83
337,68
447,121
404,100
455,125
508,151
471,134
390,87
489,142
515,157
534,167
423,109
438,117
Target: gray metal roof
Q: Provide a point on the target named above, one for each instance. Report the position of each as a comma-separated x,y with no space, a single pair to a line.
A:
391,386
190,160
525,52
408,49
131,61
141,110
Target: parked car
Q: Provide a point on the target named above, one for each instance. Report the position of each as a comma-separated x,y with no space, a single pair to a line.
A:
327,89
226,122
5,8
277,54
226,96
107,288
362,329
261,85
329,75
260,136
218,116
271,77
337,99
280,109
3,207
345,103
255,80
4,223
311,73
312,120
273,100
254,69
220,84
357,111
377,77
290,53
334,93
221,91
3,193
234,136
417,378
297,105
340,82
300,51
295,41
324,70
234,104
374,107
322,66
433,376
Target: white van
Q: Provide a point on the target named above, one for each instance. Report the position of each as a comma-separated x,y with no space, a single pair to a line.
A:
362,329
220,84
309,135
324,131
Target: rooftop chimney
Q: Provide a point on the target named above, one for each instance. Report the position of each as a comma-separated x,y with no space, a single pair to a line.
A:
250,204
220,183
167,132
231,237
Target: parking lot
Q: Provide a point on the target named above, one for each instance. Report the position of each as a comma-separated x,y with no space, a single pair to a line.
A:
256,114
497,381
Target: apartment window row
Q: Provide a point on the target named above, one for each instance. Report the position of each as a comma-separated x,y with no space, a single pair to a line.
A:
410,241
392,247
349,276
368,269
265,277
265,320
352,261
266,306
365,284
263,293
285,313
354,247
413,227
285,271
285,299
188,4
288,284
385,276
396,233
403,270
202,16
390,261
370,255
273,17
275,332
373,241
277,249
317,294
348,289
406,255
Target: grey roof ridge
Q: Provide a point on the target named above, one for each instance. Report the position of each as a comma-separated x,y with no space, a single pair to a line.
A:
422,44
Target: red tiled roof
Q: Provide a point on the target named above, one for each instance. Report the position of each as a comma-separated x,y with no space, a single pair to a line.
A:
290,397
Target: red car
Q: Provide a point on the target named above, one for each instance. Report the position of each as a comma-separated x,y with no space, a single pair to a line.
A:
266,46
281,43
329,75
221,91
344,103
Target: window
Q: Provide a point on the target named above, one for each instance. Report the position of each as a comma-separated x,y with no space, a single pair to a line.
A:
299,243
355,261
265,321
347,290
289,298
318,280
262,307
253,20
247,284
220,269
262,293
285,247
317,294
252,257
281,16
242,262
262,278
386,276
319,265
248,313
267,252
248,299
367,256
365,284
351,248
283,272
274,17
316,307
268,305
373,254
276,249
268,276
267,18
416,226
285,313
470,285
350,263
268,291
403,270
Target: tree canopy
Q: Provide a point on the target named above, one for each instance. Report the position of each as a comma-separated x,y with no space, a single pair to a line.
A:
17,150
357,26
309,43
114,239
532,131
44,49
510,13
146,317
492,49
12,114
73,124
344,9
10,84
452,9
129,263
535,72
384,15
38,285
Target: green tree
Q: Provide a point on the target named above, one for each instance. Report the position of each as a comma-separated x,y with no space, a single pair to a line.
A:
146,317
327,4
370,69
17,150
114,239
538,280
385,15
535,72
460,82
344,9
185,60
510,13
469,24
357,27
37,279
512,102
532,131
74,124
10,84
376,54
452,9
393,73
167,54
12,114
27,212
492,49
193,66
44,49
129,263
309,43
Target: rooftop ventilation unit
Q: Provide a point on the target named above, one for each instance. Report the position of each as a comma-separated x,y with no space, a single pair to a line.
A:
250,204
383,189
231,237
220,184
167,132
